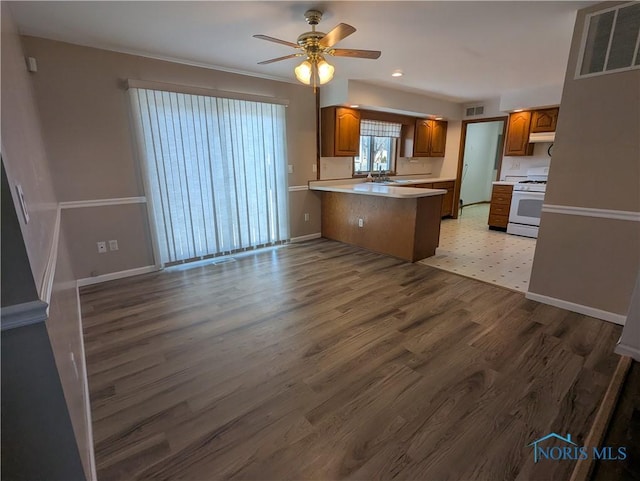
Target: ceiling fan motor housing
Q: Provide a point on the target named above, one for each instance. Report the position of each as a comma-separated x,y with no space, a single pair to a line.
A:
313,17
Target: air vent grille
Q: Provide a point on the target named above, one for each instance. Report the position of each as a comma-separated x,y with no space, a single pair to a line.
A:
471,111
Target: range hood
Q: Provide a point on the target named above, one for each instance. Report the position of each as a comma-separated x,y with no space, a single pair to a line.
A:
542,137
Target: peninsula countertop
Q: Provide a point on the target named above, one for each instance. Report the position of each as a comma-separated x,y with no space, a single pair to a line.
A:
399,189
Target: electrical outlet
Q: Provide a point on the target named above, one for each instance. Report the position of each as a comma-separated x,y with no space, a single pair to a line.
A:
306,217
360,222
314,167
290,167
113,245
102,247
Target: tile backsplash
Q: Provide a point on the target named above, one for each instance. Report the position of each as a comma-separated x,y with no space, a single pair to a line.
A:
518,166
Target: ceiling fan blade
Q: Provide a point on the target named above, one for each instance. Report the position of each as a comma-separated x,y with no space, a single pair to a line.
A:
341,31
276,40
349,52
264,62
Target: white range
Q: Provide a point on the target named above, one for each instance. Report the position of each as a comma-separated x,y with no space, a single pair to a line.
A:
526,203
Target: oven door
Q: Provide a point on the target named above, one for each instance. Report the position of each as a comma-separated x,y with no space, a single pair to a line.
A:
526,207
524,215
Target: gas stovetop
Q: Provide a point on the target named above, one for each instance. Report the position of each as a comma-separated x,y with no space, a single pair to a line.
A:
531,186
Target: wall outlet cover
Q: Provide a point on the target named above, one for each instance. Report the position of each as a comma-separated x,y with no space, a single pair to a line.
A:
102,247
113,245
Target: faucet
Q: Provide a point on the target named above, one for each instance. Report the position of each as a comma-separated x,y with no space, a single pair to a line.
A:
381,177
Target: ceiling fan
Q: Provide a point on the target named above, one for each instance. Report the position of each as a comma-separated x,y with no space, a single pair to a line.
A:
314,46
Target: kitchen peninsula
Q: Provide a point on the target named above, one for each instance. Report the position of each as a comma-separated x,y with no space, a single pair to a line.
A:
390,218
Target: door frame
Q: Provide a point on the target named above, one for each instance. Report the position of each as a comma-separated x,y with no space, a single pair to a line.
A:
463,140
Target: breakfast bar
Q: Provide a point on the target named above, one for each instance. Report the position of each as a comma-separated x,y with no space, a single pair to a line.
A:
399,221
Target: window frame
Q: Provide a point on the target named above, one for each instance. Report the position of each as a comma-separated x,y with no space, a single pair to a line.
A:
395,146
583,44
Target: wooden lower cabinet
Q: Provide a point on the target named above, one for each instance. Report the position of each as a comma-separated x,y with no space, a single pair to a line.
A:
500,205
447,199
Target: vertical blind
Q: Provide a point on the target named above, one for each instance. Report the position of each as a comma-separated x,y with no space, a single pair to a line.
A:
215,172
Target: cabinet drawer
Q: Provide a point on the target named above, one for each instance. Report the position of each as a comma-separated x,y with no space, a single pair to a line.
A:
499,209
499,198
498,221
503,189
444,185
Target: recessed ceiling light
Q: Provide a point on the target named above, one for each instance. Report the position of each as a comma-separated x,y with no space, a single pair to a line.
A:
397,73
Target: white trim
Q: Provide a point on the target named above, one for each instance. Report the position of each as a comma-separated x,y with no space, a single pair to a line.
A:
93,475
208,92
25,314
303,238
87,281
626,350
579,308
592,212
46,286
74,204
298,188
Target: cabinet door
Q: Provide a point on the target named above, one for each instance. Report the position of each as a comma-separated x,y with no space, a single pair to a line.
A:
438,138
347,132
422,138
544,120
447,199
517,142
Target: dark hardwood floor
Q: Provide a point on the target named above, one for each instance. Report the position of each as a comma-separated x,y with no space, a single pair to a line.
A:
624,430
324,361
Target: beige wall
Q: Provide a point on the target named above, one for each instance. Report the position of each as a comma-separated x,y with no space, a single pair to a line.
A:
85,118
23,150
124,223
27,163
592,261
65,333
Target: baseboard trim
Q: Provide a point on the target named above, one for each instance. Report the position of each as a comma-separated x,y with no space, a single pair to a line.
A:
297,188
591,212
579,308
46,286
112,276
75,204
307,237
24,314
92,475
626,350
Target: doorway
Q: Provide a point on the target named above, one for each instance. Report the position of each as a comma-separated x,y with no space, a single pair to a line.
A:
480,159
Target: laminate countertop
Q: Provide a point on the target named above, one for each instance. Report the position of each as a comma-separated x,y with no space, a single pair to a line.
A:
381,190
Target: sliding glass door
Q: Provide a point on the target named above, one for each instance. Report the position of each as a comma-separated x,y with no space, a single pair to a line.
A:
215,172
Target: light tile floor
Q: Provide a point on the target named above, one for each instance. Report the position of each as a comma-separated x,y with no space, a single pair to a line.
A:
469,248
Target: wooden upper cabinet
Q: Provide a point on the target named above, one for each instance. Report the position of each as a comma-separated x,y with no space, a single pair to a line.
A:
438,138
544,120
430,138
517,141
340,132
422,138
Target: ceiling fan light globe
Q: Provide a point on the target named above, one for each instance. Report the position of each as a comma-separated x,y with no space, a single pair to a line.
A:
303,72
325,72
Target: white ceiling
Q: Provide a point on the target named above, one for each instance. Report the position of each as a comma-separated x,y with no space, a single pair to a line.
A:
461,51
